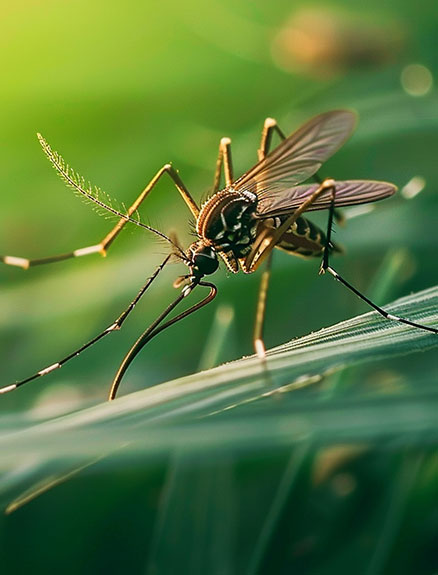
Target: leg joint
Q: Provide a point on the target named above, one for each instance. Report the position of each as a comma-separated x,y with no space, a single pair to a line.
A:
329,184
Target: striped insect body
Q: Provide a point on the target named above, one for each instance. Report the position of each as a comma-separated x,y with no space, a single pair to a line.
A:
303,238
227,222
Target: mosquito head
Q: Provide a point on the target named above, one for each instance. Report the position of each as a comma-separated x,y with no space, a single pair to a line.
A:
203,259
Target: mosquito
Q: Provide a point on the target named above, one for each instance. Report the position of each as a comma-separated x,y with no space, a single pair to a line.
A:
240,224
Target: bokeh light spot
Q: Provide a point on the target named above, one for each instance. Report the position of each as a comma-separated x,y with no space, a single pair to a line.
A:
416,80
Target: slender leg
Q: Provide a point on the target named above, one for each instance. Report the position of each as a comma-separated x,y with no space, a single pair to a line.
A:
262,250
104,245
337,213
325,257
116,325
155,328
224,156
259,344
325,266
223,159
268,240
269,127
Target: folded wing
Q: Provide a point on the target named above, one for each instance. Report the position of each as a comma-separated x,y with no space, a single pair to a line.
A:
348,193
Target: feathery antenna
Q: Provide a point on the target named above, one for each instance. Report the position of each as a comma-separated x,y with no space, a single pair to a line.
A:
94,194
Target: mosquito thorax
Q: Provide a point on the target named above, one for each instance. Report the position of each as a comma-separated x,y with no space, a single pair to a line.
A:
203,259
227,220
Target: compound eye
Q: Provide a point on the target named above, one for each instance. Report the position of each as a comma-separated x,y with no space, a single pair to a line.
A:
205,261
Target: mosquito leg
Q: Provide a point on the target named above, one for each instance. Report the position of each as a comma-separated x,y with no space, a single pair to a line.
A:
224,157
103,246
259,345
116,325
328,239
325,267
155,328
337,213
266,248
265,242
270,126
26,263
381,311
223,160
166,169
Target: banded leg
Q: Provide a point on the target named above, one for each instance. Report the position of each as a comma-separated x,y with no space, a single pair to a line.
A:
104,245
115,326
270,126
325,267
223,159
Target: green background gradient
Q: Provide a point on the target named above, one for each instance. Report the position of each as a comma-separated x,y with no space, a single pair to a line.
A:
121,89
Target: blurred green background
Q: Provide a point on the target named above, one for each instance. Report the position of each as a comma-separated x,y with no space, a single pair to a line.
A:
121,89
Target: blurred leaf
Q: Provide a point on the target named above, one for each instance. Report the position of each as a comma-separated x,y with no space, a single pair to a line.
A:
300,363
239,407
225,471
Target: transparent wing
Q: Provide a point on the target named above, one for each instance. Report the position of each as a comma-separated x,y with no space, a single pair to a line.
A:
348,193
300,155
